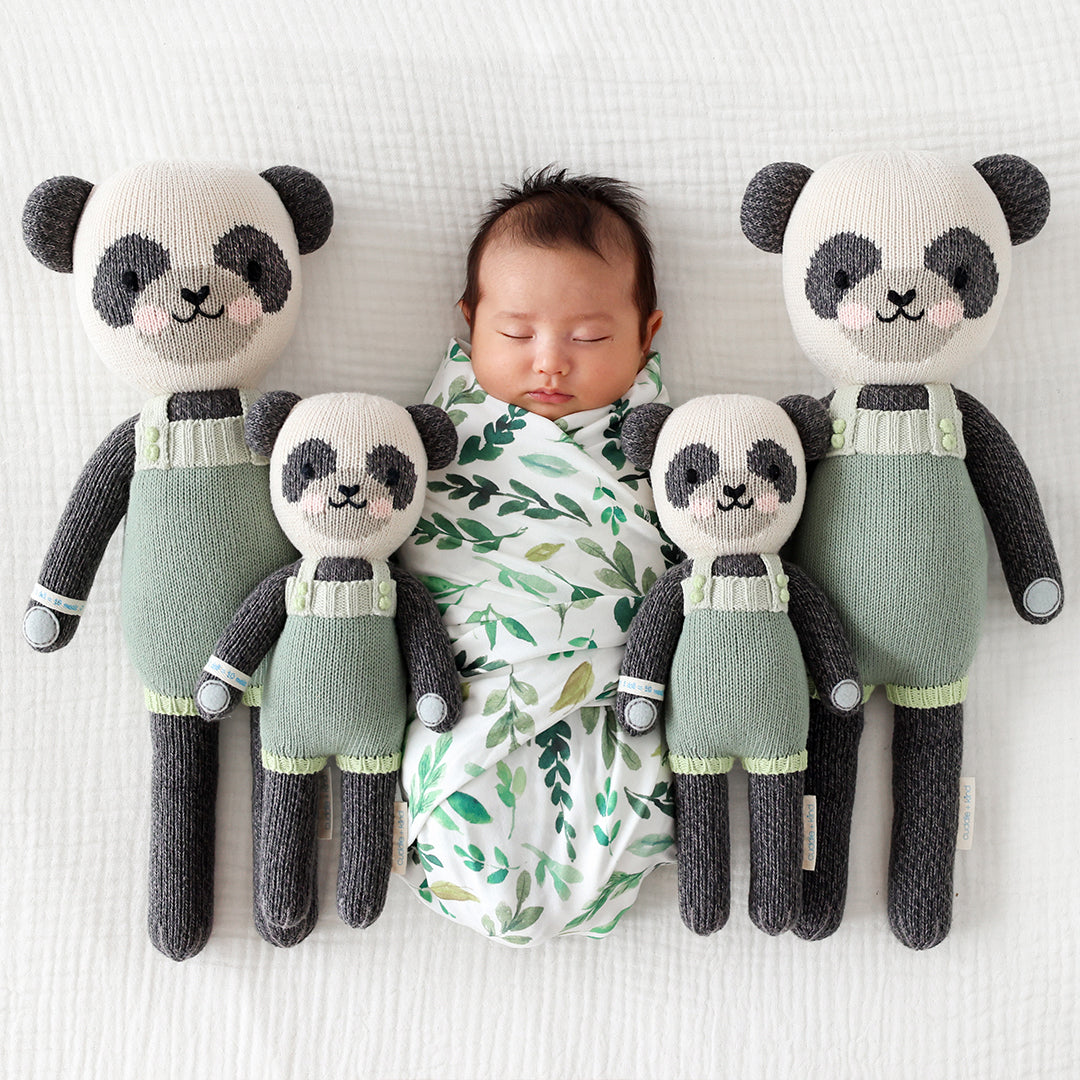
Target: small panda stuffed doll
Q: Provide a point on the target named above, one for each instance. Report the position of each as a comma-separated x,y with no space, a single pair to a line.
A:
347,630
187,277
895,268
721,645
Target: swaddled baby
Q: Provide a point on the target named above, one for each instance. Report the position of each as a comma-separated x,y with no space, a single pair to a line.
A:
536,816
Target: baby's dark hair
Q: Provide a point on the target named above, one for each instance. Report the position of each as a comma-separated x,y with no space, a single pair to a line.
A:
550,209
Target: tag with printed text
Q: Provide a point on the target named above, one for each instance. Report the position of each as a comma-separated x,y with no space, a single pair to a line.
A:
809,839
966,832
399,851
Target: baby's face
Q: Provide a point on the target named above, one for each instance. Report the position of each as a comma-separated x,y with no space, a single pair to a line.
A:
556,330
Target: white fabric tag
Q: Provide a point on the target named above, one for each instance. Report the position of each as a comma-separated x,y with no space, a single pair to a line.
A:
641,688
809,840
966,832
399,849
55,602
227,673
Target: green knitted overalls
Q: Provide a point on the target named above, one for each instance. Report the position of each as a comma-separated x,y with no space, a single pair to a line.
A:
335,683
738,682
200,535
892,531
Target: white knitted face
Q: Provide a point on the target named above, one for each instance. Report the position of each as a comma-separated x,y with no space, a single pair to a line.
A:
728,476
895,267
187,275
347,476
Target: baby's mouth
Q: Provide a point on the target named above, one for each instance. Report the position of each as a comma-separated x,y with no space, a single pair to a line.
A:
549,395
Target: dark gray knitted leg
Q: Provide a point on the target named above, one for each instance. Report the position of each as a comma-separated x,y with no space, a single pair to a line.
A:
775,850
183,791
256,821
927,753
701,832
367,825
287,889
833,751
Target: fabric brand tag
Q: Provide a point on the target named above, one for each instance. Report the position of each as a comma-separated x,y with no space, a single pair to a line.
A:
326,805
966,832
399,850
809,834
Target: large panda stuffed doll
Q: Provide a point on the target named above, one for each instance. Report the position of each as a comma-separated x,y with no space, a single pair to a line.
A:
895,268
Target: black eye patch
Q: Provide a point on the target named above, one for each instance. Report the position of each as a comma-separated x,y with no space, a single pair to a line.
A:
126,268
391,467
839,263
772,462
691,467
252,254
966,262
310,460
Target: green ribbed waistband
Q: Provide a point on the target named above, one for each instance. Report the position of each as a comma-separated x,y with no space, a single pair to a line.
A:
387,763
792,763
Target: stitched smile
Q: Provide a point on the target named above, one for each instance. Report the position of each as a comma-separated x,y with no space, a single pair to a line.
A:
897,313
199,311
734,505
347,501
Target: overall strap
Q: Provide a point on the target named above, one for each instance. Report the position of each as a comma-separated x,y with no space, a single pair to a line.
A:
764,592
152,434
944,422
304,595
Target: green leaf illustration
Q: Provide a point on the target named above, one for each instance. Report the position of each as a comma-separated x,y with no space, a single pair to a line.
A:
547,465
465,806
542,552
650,845
446,890
577,686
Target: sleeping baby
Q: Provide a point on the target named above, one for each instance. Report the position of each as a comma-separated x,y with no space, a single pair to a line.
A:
535,816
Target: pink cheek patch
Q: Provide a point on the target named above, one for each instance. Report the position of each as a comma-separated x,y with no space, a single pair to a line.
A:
767,503
947,313
854,316
244,310
702,508
381,508
313,505
150,319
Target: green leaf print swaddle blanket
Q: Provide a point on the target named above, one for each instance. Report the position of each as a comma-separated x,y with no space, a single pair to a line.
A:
535,817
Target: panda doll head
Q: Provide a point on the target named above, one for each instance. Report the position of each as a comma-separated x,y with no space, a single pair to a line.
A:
895,264
187,274
348,471
728,473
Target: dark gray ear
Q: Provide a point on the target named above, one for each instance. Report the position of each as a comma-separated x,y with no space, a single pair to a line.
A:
265,419
767,203
50,218
641,429
437,432
811,419
1022,191
308,202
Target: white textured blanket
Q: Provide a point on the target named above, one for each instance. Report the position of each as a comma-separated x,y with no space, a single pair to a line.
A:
534,817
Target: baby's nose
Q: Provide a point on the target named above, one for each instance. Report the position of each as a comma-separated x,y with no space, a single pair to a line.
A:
551,360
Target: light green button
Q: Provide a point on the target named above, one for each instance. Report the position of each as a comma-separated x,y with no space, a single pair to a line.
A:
837,441
152,434
948,441
947,426
384,588
384,603
785,596
782,580
839,426
153,453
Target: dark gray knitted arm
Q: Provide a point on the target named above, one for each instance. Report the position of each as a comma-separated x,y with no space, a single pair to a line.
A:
650,647
1007,493
824,644
249,636
94,510
428,655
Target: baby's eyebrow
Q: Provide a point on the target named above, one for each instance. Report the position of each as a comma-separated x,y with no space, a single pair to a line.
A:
592,316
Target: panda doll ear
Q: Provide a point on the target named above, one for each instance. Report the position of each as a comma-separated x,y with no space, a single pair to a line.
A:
641,429
1022,191
50,219
768,201
307,201
437,433
265,419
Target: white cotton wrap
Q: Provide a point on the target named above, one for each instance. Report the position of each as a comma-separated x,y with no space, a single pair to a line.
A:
536,816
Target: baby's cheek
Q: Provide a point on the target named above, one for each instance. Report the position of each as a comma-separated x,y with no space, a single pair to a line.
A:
313,504
244,310
768,502
854,316
150,319
381,508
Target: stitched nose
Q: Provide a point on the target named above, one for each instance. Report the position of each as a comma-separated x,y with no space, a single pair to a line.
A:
901,301
735,493
348,490
195,298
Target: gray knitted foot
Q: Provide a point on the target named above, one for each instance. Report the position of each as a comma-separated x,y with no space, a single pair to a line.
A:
833,752
701,832
257,771
367,823
287,889
927,759
775,850
182,796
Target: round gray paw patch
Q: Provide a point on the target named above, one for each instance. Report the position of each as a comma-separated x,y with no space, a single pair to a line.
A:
1042,597
213,696
847,694
41,627
431,710
640,714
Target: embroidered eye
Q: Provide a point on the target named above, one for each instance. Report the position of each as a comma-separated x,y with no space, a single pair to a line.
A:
392,477
130,280
842,279
254,271
692,477
775,472
959,278
308,471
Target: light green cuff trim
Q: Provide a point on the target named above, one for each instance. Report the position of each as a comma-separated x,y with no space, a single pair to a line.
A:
293,766
700,766
928,697
388,763
867,691
776,766
164,705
